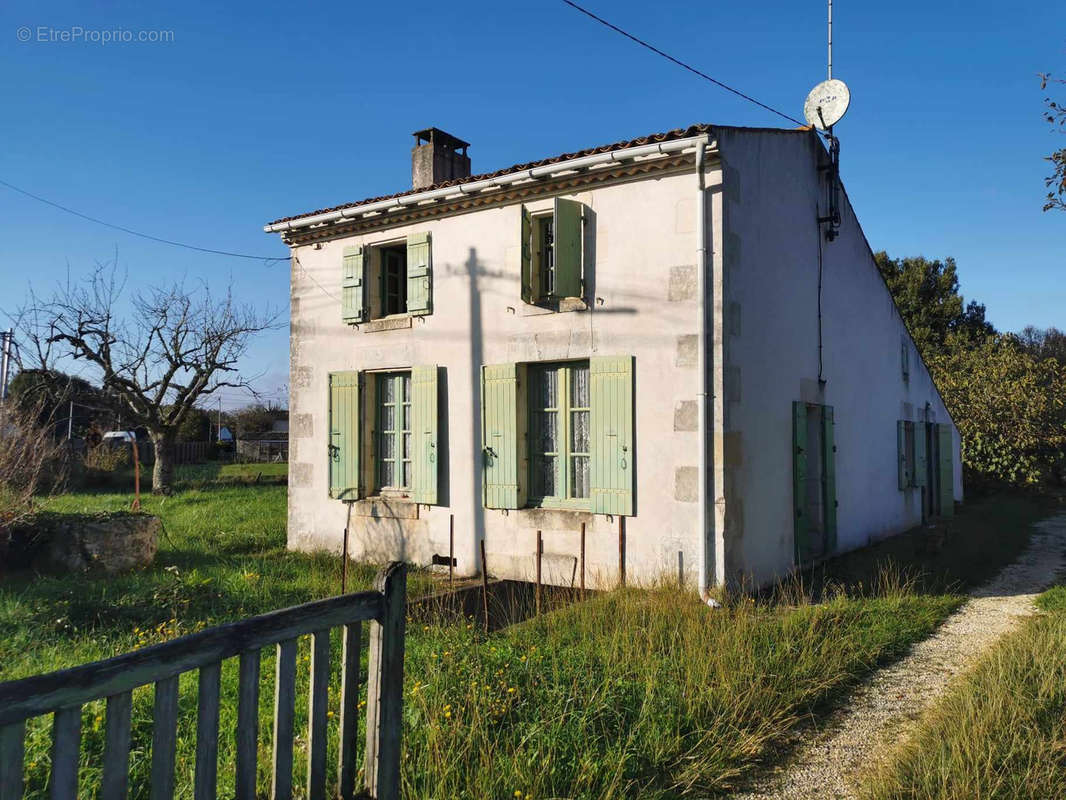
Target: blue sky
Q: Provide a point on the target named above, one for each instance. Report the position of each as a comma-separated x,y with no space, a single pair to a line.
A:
256,111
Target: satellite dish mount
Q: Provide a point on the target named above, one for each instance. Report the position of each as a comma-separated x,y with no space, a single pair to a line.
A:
825,107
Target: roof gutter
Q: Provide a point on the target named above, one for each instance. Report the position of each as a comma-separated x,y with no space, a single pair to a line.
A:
500,181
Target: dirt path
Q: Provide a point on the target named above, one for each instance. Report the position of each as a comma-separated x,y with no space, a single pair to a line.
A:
878,711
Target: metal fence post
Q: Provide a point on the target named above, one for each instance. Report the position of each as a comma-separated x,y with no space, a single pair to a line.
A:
384,711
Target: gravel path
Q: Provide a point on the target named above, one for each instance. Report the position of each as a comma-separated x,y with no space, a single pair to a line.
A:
879,711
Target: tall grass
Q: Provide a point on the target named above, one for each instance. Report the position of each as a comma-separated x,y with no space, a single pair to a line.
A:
633,694
1000,732
636,694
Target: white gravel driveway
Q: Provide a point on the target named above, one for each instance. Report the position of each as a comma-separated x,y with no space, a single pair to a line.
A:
878,712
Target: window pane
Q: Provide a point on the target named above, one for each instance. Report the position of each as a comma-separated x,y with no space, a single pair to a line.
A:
406,474
546,388
388,386
388,418
544,476
388,446
407,445
579,477
579,431
545,438
406,378
579,387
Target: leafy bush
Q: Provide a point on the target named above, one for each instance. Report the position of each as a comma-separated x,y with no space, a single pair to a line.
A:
1010,408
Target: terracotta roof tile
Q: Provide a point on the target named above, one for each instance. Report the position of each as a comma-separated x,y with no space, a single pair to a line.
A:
654,138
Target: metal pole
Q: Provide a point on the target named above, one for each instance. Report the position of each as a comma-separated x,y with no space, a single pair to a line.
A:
540,550
484,586
582,560
136,476
70,422
344,555
451,550
5,362
829,75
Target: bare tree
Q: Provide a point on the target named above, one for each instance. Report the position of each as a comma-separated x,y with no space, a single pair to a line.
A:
1055,114
156,356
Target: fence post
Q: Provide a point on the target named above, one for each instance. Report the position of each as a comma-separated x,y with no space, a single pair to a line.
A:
384,713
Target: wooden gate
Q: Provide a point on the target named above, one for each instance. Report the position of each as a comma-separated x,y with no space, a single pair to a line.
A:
64,693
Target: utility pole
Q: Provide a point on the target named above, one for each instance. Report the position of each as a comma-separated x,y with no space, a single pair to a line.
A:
5,362
219,418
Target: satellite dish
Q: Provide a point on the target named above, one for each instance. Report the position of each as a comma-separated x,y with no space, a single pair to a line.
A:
827,104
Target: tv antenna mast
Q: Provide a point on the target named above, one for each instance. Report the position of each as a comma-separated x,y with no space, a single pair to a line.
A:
825,107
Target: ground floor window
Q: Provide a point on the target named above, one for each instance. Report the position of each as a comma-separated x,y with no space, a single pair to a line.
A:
393,411
559,438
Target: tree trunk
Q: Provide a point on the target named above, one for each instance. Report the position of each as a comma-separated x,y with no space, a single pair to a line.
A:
163,470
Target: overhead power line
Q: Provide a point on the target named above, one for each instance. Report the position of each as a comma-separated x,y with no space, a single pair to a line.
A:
682,64
171,242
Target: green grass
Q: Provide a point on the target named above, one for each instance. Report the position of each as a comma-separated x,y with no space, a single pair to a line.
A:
647,695
946,556
634,694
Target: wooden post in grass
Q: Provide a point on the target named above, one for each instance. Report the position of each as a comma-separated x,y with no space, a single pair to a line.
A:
384,703
540,552
484,586
582,560
451,550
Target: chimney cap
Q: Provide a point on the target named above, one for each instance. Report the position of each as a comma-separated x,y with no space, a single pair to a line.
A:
437,136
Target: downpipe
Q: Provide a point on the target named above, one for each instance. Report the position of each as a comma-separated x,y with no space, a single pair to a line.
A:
705,530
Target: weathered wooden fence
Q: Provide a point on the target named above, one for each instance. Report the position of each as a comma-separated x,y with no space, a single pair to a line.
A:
64,693
191,452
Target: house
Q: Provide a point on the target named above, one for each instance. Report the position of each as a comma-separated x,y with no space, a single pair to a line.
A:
271,445
665,342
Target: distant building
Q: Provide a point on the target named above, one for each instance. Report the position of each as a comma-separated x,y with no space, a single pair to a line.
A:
272,445
653,340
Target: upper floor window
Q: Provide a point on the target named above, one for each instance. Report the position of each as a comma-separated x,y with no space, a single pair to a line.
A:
553,246
387,279
393,294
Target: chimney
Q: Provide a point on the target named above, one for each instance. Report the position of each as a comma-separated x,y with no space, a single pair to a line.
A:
438,156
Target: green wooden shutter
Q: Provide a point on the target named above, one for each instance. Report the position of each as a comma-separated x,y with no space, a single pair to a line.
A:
419,275
424,434
499,415
947,472
829,477
799,478
921,465
611,459
343,447
568,246
352,285
903,468
528,279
